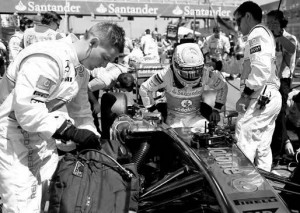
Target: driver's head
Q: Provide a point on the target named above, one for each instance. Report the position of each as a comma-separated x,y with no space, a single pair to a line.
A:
188,63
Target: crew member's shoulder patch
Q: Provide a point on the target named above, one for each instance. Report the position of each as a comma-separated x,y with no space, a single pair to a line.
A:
255,49
255,41
44,83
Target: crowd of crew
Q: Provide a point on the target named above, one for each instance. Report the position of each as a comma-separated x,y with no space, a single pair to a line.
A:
50,90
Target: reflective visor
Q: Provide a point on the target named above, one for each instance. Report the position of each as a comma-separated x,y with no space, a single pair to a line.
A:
189,73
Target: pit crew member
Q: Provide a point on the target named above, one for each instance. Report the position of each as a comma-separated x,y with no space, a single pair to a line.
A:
217,46
45,31
44,77
260,100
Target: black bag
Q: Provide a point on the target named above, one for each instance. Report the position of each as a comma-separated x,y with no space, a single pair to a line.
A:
93,182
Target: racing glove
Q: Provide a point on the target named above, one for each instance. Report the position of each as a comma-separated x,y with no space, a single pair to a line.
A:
215,113
214,116
217,64
85,139
211,114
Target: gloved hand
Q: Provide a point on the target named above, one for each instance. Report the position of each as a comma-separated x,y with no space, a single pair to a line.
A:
242,104
217,65
84,138
214,116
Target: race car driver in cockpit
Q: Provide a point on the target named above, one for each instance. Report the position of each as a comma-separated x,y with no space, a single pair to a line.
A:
184,82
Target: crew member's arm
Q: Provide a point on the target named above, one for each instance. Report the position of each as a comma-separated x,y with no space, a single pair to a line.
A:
37,78
261,47
154,83
92,97
142,44
40,77
79,108
233,66
288,43
14,46
217,82
94,100
226,48
97,84
205,48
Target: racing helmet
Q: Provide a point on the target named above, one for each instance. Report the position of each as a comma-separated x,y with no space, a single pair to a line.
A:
188,64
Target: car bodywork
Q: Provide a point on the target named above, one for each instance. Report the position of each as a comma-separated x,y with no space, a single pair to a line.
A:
182,170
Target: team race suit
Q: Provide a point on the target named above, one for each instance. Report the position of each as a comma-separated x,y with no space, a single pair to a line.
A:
255,127
48,76
183,102
40,33
216,47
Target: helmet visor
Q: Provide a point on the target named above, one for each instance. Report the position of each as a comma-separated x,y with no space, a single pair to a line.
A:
189,73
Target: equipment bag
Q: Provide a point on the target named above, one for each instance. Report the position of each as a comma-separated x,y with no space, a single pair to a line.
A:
92,182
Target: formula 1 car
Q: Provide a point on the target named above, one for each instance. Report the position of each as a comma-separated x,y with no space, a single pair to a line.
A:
183,170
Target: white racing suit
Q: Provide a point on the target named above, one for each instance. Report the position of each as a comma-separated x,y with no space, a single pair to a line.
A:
48,76
216,47
183,102
105,78
40,33
15,45
254,128
150,49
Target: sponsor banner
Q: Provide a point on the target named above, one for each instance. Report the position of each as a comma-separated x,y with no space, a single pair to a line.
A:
88,7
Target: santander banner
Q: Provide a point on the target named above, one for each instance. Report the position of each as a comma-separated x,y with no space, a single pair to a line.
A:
88,7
